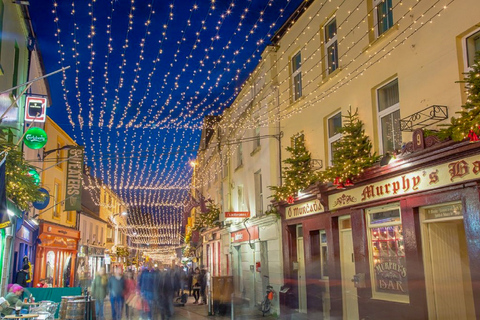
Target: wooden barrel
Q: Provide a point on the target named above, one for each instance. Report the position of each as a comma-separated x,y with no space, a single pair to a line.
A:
63,305
76,310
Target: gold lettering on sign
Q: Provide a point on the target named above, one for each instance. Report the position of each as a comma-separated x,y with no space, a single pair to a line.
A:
433,177
458,169
476,167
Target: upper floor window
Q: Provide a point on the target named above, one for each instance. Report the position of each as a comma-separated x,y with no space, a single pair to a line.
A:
225,167
256,142
297,76
58,154
239,155
258,193
297,140
56,198
383,16
334,124
389,117
331,50
471,48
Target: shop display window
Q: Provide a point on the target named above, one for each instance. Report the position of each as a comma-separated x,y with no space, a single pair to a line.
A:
387,254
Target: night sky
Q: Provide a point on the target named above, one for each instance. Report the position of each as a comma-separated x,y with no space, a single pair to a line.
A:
142,76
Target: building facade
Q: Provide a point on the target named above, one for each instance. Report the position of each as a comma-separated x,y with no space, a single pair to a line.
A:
375,251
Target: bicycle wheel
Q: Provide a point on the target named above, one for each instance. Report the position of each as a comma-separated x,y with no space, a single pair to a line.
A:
266,306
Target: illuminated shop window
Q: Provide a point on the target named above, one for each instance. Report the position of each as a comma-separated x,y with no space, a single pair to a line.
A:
387,254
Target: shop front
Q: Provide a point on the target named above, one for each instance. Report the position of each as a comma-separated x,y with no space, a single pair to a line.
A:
307,250
56,255
406,239
24,249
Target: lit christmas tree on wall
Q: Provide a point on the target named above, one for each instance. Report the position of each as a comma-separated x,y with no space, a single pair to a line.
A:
467,125
298,173
353,152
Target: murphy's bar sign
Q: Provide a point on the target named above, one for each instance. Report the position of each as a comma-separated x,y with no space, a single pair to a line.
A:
73,199
304,209
425,179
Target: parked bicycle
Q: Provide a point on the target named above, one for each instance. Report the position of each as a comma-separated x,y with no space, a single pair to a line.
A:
267,301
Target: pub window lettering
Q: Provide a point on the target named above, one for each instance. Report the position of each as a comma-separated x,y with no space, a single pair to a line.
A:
387,254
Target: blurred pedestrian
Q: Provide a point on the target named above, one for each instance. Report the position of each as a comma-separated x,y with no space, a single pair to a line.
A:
129,292
196,285
146,283
116,286
168,292
203,286
23,276
190,280
99,292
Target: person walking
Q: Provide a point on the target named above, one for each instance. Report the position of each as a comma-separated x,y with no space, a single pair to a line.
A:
196,285
203,286
168,292
116,285
99,292
190,281
129,292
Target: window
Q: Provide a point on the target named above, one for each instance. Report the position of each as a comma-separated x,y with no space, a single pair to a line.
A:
389,117
297,76
240,198
59,155
70,216
258,193
387,254
331,50
334,124
16,61
383,16
471,47
297,140
256,134
225,167
56,199
239,155
323,255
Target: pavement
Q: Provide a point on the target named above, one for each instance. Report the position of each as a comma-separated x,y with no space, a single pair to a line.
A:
192,311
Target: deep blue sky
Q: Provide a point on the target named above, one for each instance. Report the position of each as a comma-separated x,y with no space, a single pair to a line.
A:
141,80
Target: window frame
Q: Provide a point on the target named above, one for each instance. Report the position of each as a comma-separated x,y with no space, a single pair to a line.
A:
225,167
239,155
56,210
376,21
296,95
256,134
465,47
335,137
328,44
323,272
387,111
402,298
257,178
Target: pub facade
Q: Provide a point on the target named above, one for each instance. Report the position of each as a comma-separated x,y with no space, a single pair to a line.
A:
403,243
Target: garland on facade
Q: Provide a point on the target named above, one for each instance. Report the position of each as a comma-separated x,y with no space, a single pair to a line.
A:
209,218
353,153
297,175
467,124
20,185
122,252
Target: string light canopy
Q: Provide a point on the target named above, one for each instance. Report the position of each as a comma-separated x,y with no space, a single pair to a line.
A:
143,76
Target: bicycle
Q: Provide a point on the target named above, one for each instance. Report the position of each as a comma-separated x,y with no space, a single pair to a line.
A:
267,301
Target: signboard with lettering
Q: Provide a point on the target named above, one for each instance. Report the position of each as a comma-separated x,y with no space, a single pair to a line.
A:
446,211
73,199
244,235
238,214
426,179
304,209
35,108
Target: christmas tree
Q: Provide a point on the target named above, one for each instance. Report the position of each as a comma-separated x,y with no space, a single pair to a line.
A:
353,152
467,125
298,174
209,218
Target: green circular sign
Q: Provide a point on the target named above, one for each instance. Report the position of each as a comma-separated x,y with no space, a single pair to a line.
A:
34,174
35,138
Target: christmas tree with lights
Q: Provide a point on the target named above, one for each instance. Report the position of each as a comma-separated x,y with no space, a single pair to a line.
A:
467,124
353,153
209,218
298,173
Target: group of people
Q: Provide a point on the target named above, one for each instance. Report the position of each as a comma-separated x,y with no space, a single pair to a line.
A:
12,300
152,291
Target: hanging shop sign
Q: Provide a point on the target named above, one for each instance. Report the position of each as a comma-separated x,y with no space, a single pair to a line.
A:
238,214
421,180
34,174
245,235
42,204
35,138
73,199
304,209
35,109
